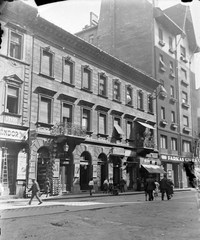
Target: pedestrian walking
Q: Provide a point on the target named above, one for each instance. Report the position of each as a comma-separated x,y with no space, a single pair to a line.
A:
170,188
122,184
164,188
150,187
91,186
105,186
110,185
35,192
47,187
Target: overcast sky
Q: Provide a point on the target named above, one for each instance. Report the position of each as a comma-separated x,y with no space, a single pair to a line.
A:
73,15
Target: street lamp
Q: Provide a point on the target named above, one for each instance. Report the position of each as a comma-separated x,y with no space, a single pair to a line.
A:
161,91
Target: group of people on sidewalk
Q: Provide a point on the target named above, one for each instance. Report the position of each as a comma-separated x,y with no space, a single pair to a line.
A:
152,187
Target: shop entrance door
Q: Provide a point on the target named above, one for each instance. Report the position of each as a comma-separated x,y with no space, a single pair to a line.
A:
84,177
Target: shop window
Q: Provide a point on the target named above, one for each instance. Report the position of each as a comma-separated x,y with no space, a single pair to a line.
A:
102,85
140,99
185,121
186,146
47,65
129,96
163,141
67,113
174,144
16,45
12,100
86,119
45,110
68,71
150,103
102,123
86,78
116,90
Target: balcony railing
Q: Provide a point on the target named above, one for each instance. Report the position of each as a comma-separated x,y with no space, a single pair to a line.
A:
68,129
146,143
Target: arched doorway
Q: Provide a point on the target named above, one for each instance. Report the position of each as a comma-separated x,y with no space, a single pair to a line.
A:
42,166
103,168
85,170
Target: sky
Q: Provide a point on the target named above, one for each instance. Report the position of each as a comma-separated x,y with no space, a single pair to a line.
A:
73,15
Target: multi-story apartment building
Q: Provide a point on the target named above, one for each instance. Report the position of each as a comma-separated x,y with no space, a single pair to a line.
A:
163,44
90,114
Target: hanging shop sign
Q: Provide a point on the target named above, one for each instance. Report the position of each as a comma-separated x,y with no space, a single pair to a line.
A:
21,165
177,158
56,168
129,153
13,134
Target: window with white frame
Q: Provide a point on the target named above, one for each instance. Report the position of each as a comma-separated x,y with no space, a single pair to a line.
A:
140,99
116,90
185,121
174,144
162,113
68,71
86,78
172,91
102,85
16,45
45,110
186,146
162,65
86,119
184,97
12,105
102,123
173,117
67,111
129,126
46,65
163,141
129,97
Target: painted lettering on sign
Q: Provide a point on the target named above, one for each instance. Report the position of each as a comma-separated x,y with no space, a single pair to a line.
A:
14,134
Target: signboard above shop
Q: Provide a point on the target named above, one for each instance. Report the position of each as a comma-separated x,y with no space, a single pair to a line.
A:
177,158
13,134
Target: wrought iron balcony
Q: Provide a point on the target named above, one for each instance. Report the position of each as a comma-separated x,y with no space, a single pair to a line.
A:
68,129
146,144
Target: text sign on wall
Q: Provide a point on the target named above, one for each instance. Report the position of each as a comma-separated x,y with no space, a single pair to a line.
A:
56,168
15,134
21,166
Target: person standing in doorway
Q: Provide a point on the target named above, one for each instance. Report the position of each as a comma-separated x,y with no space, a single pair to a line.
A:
164,187
35,192
91,186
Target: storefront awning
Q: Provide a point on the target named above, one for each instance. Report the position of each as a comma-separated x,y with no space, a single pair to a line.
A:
119,129
146,125
153,168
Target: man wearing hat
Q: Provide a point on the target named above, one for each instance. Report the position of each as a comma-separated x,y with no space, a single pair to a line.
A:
150,186
164,187
35,191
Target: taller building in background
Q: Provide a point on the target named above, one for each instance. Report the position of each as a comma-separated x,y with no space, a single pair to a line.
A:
163,44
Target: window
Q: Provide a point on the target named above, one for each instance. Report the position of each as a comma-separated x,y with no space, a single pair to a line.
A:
150,103
129,126
161,63
129,95
103,85
66,113
170,43
184,97
171,66
68,71
160,34
174,144
183,75
16,45
172,91
185,121
86,119
91,38
140,99
182,51
12,100
186,146
173,118
46,66
116,90
162,113
163,141
102,123
86,78
117,121
45,110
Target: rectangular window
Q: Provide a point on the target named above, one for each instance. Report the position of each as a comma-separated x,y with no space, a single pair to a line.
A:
140,100
116,90
86,82
117,121
86,119
160,32
171,66
12,100
129,95
163,141
172,91
184,97
170,43
150,104
174,144
102,123
67,113
173,118
185,121
16,46
47,63
45,110
129,125
68,71
183,75
162,113
183,52
161,63
186,146
102,85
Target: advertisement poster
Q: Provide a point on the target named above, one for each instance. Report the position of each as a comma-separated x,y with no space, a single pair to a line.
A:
21,166
95,171
56,168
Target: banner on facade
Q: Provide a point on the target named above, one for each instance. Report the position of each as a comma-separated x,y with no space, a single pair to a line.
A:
14,134
177,158
21,165
56,168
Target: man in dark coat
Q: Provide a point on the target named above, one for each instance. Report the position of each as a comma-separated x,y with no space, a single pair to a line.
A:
35,191
150,186
164,187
